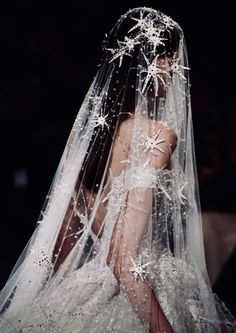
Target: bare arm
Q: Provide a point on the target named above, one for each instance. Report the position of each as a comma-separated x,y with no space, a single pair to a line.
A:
126,240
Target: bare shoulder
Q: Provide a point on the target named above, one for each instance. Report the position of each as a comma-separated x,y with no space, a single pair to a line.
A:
160,125
149,125
165,131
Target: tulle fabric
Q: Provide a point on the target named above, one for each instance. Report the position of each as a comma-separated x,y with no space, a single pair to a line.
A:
117,228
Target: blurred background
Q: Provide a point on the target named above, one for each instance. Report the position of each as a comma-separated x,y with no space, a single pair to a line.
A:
48,58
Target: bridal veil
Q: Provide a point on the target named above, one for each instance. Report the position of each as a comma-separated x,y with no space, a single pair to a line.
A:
62,281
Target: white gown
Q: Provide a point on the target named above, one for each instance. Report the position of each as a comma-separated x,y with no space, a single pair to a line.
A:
86,300
151,223
90,299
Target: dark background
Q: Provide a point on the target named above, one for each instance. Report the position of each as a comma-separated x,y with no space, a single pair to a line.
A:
48,58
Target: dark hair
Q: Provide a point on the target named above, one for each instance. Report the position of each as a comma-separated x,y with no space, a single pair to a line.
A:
120,98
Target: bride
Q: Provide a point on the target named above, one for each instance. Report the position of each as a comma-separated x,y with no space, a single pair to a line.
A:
119,246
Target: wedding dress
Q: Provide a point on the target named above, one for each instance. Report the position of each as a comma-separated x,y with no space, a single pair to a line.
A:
119,242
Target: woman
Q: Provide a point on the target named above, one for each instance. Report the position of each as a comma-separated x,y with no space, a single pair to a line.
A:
119,244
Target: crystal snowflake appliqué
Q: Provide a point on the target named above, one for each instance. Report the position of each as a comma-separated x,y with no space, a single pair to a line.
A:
153,72
178,69
100,120
182,198
125,47
168,22
151,143
142,22
139,269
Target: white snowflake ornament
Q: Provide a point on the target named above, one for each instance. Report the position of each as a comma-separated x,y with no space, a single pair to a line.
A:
168,22
177,69
119,53
142,22
182,198
128,43
153,72
154,38
100,120
125,47
151,143
139,269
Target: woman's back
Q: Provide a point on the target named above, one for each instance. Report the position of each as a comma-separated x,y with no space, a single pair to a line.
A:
119,241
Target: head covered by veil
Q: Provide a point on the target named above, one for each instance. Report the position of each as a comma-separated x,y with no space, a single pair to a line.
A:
143,77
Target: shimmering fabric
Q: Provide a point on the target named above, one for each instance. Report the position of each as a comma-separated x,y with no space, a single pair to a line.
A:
118,246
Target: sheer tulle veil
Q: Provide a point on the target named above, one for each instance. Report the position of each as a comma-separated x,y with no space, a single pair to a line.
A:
143,78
